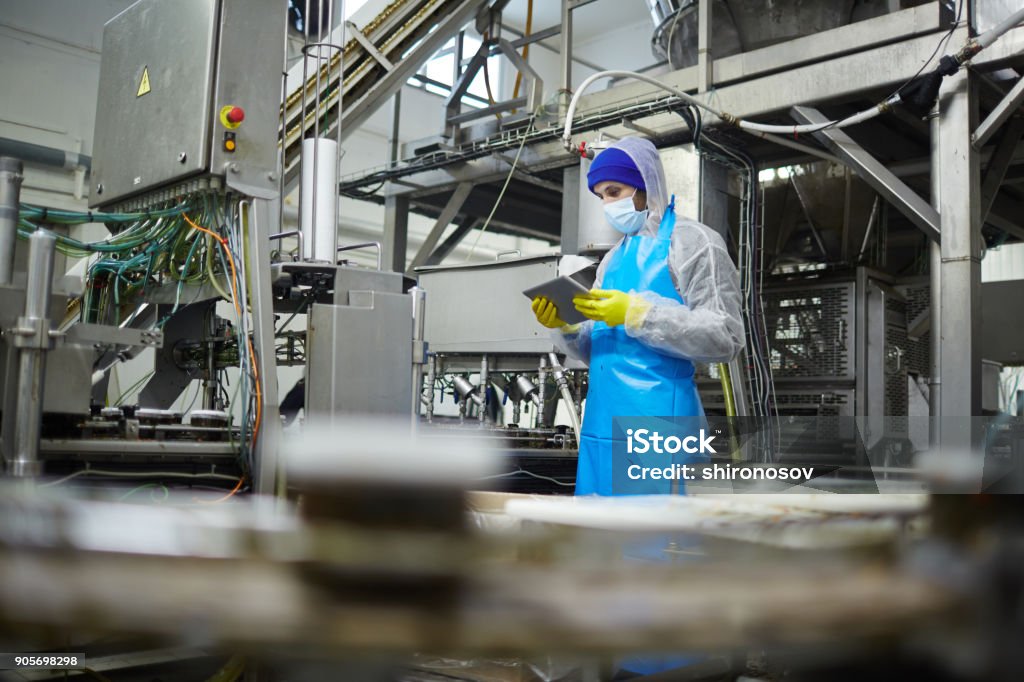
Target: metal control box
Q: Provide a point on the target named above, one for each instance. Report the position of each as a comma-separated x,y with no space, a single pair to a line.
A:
169,71
359,357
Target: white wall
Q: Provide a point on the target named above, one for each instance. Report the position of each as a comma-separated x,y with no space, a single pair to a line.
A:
49,72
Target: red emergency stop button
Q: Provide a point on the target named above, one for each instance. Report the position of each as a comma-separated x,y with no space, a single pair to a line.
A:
231,116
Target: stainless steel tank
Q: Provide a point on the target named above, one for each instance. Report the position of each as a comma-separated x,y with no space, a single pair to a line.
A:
740,25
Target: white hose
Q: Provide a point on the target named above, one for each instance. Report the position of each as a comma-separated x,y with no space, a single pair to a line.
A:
982,42
813,127
627,74
690,99
990,36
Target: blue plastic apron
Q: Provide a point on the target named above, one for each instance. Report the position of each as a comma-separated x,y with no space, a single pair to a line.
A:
627,378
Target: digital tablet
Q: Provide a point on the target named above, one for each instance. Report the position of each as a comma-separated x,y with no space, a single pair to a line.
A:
562,290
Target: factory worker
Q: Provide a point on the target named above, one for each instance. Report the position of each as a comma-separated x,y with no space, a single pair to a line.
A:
666,296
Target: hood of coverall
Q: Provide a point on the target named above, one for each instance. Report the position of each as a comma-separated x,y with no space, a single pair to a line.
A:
645,156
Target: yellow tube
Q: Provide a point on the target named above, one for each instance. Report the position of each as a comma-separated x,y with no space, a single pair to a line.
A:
730,399
730,408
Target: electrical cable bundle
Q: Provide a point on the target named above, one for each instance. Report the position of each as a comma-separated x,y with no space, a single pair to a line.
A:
167,244
227,232
750,256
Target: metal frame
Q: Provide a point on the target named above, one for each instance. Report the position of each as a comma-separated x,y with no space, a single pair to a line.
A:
821,70
453,104
874,173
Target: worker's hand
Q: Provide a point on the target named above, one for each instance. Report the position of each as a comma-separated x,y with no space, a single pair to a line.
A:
546,313
607,305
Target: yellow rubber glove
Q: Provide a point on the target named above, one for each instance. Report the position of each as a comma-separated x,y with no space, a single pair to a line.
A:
546,313
611,306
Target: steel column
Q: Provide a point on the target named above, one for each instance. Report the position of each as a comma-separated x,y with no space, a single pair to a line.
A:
705,65
935,297
395,140
419,302
566,50
396,231
10,197
32,336
960,272
261,224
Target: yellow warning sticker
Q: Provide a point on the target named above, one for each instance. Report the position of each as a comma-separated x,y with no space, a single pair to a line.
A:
144,83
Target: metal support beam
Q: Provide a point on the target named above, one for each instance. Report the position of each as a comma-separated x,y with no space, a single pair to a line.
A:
263,221
935,297
566,51
357,113
1002,111
448,213
396,231
395,138
881,179
539,41
534,88
369,46
1006,215
453,104
960,274
705,65
999,164
445,248
11,178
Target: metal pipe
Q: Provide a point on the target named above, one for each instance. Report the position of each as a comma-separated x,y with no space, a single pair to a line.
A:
44,156
431,378
210,399
32,336
10,199
483,390
542,384
705,65
290,233
419,302
867,230
563,386
465,391
526,390
364,245
566,50
935,296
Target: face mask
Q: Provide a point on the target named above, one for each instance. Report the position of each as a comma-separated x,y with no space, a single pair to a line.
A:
623,216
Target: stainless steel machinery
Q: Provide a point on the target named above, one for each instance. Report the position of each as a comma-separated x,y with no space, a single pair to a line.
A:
188,92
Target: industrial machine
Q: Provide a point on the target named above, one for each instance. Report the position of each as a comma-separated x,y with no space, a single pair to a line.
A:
858,221
187,176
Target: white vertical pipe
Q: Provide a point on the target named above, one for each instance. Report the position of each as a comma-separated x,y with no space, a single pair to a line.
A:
319,199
